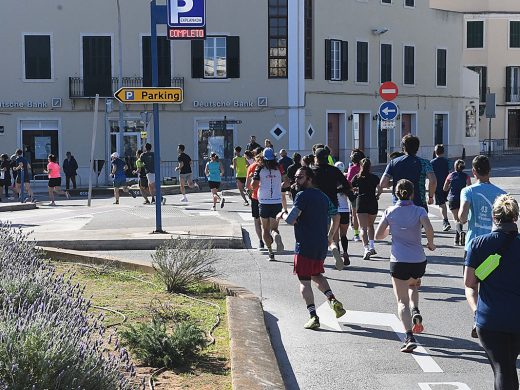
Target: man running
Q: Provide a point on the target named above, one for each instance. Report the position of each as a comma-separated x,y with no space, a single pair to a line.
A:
412,168
240,168
285,161
118,173
148,160
309,216
329,179
441,168
22,166
185,172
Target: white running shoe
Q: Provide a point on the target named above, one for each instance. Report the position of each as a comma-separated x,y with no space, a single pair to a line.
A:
213,208
279,244
366,256
184,199
337,256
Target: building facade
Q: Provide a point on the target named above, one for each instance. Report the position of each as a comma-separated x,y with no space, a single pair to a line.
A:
491,47
296,72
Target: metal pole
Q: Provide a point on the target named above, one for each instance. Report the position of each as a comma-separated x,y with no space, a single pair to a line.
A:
120,80
489,139
156,143
92,167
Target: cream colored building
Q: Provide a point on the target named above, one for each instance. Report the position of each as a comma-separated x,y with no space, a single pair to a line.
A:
297,72
491,47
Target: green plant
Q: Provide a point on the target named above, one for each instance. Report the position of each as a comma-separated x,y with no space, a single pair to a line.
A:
182,262
155,346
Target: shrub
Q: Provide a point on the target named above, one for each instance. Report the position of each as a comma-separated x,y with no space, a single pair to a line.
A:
48,339
182,262
153,345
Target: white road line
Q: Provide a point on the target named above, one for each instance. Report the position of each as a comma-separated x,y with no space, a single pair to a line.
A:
327,317
246,216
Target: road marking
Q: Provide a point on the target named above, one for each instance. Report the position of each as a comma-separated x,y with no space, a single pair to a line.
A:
458,385
421,356
246,216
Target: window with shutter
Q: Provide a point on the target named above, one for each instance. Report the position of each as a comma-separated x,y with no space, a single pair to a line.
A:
475,34
514,34
441,68
197,58
37,49
362,62
409,65
386,62
308,38
164,64
278,36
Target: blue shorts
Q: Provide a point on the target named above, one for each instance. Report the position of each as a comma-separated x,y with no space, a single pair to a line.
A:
119,182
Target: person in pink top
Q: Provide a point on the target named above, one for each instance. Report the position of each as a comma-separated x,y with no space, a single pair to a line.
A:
354,168
53,171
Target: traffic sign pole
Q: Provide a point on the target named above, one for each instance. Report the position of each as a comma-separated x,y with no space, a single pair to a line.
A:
156,137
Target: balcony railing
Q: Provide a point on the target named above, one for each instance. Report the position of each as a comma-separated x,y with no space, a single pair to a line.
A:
79,88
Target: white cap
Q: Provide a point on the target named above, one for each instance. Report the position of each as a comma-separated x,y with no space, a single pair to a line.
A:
340,166
114,155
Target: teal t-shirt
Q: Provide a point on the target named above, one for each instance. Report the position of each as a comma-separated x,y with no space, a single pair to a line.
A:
214,171
481,197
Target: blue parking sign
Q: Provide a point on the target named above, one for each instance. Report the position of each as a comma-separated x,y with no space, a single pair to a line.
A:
388,111
186,13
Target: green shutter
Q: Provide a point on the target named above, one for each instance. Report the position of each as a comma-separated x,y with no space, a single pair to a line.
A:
328,65
197,58
233,57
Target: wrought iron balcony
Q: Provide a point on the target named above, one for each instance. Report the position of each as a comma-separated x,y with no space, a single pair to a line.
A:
79,88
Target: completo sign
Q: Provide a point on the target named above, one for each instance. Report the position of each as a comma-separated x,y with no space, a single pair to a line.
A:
186,19
150,95
186,33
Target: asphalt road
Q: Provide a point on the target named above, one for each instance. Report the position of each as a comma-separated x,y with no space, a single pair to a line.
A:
361,351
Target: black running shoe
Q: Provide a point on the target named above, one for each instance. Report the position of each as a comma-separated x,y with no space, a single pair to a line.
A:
409,344
463,238
474,333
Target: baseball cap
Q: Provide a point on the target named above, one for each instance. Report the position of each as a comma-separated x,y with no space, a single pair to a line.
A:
269,154
340,166
114,155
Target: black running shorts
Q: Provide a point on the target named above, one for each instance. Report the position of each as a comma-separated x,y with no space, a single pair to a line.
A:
405,271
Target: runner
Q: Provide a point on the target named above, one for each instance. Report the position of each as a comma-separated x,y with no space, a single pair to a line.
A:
252,145
118,173
407,259
355,157
240,167
148,160
493,295
454,184
255,211
22,167
441,168
291,173
214,172
5,169
412,168
309,216
53,171
477,201
250,157
268,179
330,180
141,174
185,173
368,191
285,161
344,219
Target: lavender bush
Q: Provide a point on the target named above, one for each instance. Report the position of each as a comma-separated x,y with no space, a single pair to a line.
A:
48,338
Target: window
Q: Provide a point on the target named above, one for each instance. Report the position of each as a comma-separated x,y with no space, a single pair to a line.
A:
164,62
278,34
215,58
475,34
336,60
386,62
386,1
513,84
441,67
37,49
409,3
482,71
514,34
409,65
362,62
308,32
97,65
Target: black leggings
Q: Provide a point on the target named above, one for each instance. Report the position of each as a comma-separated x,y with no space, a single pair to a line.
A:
502,350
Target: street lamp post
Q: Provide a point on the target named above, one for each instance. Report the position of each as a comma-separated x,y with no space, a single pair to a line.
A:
120,80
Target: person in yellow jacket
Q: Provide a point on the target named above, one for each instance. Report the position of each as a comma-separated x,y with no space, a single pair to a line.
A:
240,168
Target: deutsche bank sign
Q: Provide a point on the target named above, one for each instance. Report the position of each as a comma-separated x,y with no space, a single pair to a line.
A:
186,13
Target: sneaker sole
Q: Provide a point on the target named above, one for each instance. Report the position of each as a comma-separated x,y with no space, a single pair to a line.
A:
367,256
279,244
337,257
313,327
409,348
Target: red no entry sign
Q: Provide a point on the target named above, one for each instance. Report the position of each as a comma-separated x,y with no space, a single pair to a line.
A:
388,91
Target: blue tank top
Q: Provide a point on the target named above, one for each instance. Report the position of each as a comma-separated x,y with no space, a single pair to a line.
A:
214,171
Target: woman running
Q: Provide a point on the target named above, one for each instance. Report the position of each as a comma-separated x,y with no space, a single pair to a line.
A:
454,184
141,174
214,172
53,170
344,221
405,221
354,168
367,187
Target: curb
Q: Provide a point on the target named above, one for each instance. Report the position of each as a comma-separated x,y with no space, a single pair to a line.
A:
253,362
17,206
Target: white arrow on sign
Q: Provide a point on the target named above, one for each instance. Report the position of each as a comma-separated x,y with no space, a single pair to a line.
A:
387,110
328,318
